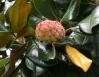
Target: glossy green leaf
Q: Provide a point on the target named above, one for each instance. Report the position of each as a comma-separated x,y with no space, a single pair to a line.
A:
46,52
36,69
66,40
44,8
18,15
24,73
90,22
15,46
29,64
33,20
79,37
61,1
72,11
39,62
39,54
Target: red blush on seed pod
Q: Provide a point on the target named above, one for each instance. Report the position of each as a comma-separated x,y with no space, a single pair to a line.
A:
49,31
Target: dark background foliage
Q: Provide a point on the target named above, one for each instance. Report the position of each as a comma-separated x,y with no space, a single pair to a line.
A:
72,14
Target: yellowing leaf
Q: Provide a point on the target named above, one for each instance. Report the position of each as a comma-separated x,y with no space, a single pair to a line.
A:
18,14
78,58
3,62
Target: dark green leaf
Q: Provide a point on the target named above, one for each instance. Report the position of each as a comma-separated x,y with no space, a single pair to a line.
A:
41,63
15,46
1,5
46,52
72,11
33,20
21,71
41,53
36,69
66,40
90,22
29,64
80,38
61,1
44,8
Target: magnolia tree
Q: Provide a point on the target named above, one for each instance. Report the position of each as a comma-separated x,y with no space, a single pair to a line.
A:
49,38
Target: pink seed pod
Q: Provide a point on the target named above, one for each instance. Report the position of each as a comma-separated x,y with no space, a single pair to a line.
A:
49,31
